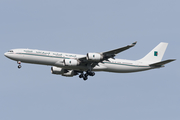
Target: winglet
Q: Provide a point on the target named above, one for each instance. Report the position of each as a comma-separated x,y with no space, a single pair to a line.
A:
133,44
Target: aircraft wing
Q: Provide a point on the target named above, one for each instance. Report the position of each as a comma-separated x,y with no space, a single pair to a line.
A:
111,53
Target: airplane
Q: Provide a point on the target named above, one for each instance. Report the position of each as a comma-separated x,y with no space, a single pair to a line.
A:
70,65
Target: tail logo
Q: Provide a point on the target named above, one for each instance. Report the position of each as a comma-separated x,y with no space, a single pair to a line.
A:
155,53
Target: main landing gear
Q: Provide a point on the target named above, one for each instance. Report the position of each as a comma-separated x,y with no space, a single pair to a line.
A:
19,66
85,76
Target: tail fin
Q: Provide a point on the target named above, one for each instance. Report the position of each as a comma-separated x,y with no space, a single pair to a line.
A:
156,54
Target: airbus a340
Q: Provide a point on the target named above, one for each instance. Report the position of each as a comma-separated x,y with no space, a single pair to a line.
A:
69,65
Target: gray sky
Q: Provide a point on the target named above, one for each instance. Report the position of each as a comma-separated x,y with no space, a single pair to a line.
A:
89,26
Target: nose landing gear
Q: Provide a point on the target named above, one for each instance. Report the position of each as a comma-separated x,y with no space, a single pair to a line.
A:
19,66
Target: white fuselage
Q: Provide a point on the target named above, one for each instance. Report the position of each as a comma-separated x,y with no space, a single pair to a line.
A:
54,59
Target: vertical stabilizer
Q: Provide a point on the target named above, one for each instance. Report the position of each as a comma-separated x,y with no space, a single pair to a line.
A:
156,54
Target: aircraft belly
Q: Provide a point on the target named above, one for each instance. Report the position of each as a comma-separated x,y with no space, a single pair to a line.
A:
100,67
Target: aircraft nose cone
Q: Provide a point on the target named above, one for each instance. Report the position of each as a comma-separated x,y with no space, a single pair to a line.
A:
6,54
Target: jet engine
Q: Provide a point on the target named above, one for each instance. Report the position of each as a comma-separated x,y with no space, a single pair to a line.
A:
63,72
71,62
57,70
94,57
70,73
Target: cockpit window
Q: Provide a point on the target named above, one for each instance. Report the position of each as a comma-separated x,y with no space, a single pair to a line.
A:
10,51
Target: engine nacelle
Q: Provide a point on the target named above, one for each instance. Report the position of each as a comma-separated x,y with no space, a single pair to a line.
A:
71,62
60,62
57,70
94,57
63,72
70,73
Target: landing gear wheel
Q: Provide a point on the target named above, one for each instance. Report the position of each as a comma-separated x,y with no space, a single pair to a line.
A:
86,75
19,66
90,73
93,73
85,78
81,76
19,62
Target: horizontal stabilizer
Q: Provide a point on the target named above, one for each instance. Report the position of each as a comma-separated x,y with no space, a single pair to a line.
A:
160,64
